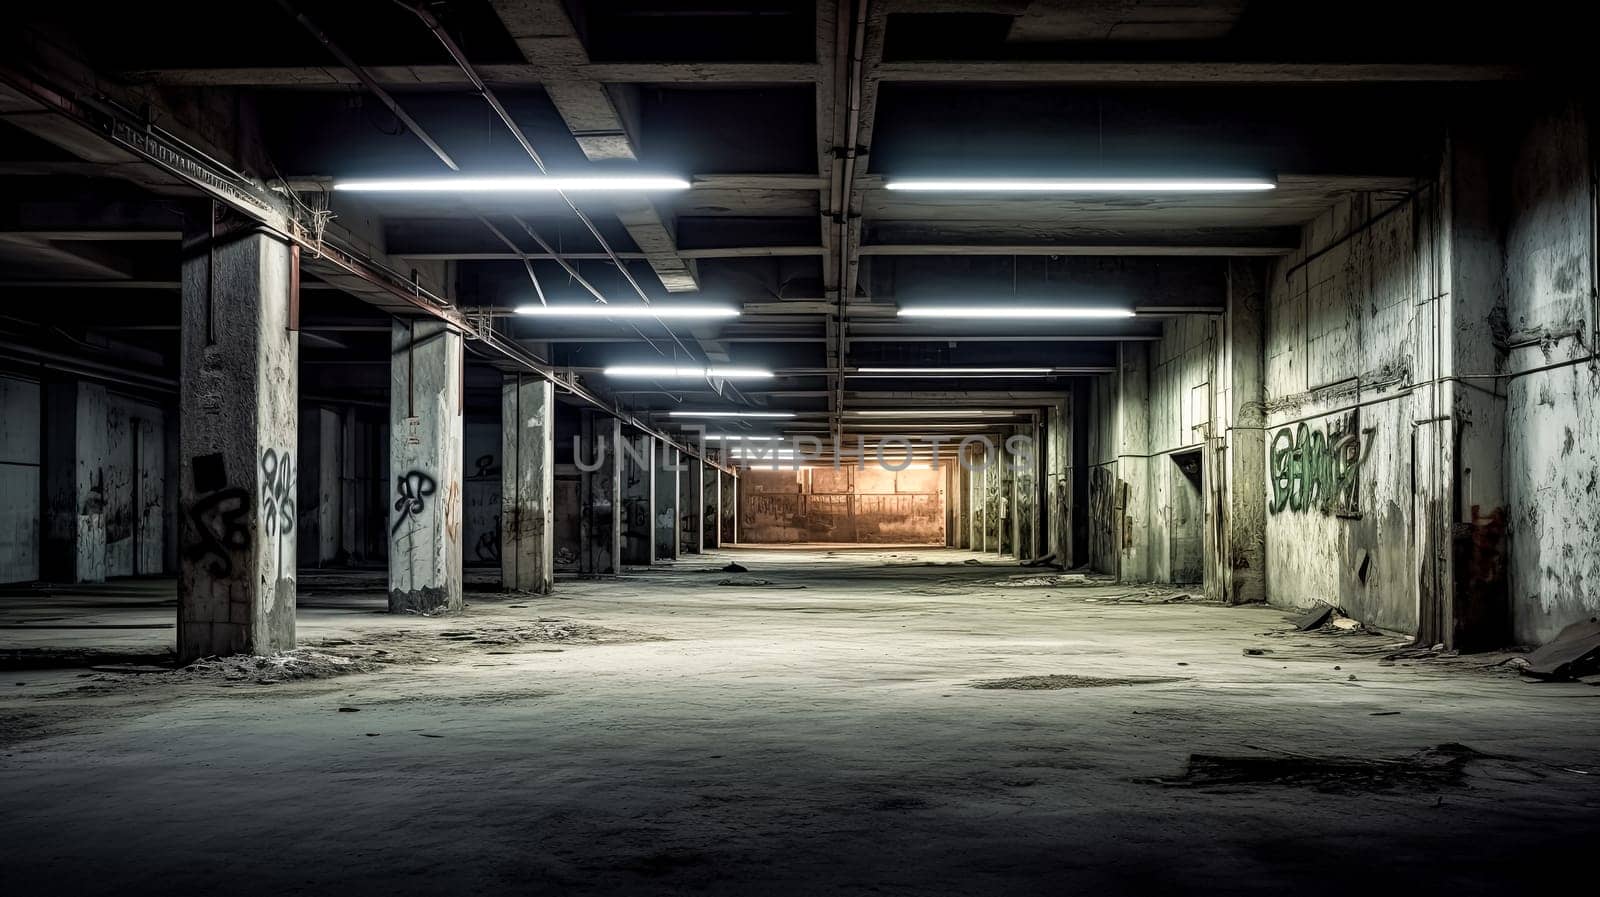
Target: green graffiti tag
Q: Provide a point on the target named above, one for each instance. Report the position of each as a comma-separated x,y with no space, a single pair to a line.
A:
1313,470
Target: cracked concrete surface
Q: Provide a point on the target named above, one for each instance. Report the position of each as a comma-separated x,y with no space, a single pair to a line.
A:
816,731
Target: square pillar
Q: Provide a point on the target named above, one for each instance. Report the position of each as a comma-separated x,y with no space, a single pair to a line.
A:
425,467
638,499
728,509
693,506
527,484
599,486
1238,573
666,518
711,523
74,440
238,437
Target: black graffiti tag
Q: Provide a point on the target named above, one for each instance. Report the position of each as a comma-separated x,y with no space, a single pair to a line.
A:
219,524
277,492
414,489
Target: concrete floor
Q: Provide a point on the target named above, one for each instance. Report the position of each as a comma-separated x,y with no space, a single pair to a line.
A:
807,727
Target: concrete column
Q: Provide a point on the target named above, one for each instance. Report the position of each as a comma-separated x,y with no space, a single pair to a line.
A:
238,400
1058,482
728,510
1007,503
599,485
638,499
527,483
425,467
74,448
712,523
975,499
692,499
955,505
1132,435
1461,537
666,517
1237,467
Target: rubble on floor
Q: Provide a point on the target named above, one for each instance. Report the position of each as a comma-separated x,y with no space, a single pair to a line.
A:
1572,654
1429,769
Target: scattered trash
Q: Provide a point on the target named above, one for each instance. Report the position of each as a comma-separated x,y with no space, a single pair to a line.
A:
349,709
1257,652
1352,678
1314,619
1345,623
1385,713
1574,652
1048,560
735,568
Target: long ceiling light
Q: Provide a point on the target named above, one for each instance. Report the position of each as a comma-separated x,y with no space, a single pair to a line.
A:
932,412
951,372
730,414
528,184
1017,312
1083,185
719,437
684,371
631,310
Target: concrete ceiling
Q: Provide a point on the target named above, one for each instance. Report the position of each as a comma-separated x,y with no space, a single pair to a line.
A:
788,118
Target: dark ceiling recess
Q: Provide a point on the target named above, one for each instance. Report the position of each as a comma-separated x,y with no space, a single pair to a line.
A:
729,131
190,33
702,30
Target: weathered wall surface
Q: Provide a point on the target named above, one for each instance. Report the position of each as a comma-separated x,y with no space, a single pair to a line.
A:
19,479
845,505
1339,362
1552,463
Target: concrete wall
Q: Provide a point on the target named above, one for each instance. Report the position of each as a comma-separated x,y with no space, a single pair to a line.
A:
822,504
19,479
1340,361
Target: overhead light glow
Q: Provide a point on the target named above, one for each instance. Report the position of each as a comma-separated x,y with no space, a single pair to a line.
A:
523,184
680,371
627,311
951,372
1084,185
730,414
1015,312
718,437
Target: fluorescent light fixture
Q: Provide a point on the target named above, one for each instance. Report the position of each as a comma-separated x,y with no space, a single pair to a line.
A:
525,184
667,370
951,372
718,437
1015,312
631,310
1083,185
730,414
932,412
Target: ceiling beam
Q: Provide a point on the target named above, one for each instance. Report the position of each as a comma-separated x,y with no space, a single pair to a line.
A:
546,36
450,77
1192,73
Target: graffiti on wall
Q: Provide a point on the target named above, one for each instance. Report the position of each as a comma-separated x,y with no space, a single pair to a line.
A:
414,489
1317,469
277,501
218,517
